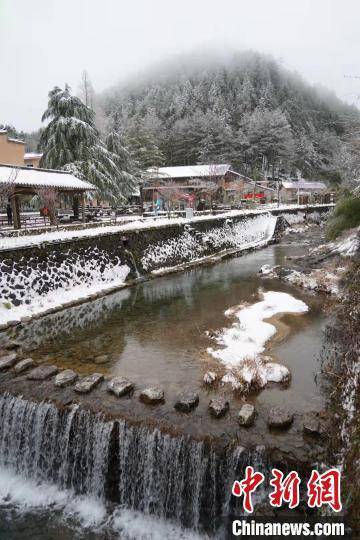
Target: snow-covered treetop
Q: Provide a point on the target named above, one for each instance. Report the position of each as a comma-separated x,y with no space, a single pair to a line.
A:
70,141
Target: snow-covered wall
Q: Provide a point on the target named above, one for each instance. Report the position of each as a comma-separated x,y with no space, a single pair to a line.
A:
45,275
193,244
32,285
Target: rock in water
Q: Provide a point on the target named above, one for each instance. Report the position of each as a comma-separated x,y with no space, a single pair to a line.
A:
314,425
186,402
23,365
120,386
275,372
210,378
65,378
152,396
102,359
12,346
42,372
7,361
265,270
218,407
246,416
88,383
279,418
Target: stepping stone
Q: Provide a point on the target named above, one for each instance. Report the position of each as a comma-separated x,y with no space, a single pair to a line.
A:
186,402
120,386
210,377
65,378
247,414
12,323
313,425
23,365
152,396
7,361
42,373
12,346
102,359
218,407
279,418
88,383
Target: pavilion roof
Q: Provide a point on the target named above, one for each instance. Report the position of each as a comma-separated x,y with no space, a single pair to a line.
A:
37,178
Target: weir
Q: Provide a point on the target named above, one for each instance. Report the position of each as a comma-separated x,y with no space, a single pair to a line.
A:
140,468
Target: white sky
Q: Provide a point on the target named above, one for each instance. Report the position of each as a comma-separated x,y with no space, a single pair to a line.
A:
49,42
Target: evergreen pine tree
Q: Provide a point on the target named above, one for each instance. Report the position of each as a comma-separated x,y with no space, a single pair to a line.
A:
175,110
143,148
126,166
71,142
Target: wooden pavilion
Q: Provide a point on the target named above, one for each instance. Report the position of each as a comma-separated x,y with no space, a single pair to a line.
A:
23,181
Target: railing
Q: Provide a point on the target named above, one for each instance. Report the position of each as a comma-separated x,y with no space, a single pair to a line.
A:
27,221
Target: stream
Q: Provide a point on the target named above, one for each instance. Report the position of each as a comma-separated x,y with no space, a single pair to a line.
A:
156,334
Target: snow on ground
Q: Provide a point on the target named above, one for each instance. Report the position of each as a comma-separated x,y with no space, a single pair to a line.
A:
348,246
242,345
318,280
325,280
297,230
140,223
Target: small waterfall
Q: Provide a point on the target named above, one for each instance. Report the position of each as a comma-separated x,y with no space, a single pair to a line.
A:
138,468
131,255
69,448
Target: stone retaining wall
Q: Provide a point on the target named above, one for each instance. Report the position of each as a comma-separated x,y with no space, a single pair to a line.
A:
42,268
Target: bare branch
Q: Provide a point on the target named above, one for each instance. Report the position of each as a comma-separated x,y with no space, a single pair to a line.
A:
48,198
7,188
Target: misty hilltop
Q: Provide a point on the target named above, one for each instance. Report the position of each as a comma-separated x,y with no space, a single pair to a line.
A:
247,110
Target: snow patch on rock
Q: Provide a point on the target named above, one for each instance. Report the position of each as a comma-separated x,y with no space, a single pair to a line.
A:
349,246
243,344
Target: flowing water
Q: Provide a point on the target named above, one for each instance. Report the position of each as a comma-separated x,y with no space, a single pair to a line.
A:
70,474
91,461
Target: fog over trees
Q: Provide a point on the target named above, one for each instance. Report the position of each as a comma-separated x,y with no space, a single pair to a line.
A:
247,110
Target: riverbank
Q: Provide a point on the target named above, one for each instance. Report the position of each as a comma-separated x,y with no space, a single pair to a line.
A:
324,268
333,269
342,367
38,276
41,235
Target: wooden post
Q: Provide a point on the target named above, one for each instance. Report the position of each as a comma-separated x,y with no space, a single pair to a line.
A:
83,206
15,211
254,192
141,199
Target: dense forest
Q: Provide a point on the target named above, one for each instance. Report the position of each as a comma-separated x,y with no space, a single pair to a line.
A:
247,110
